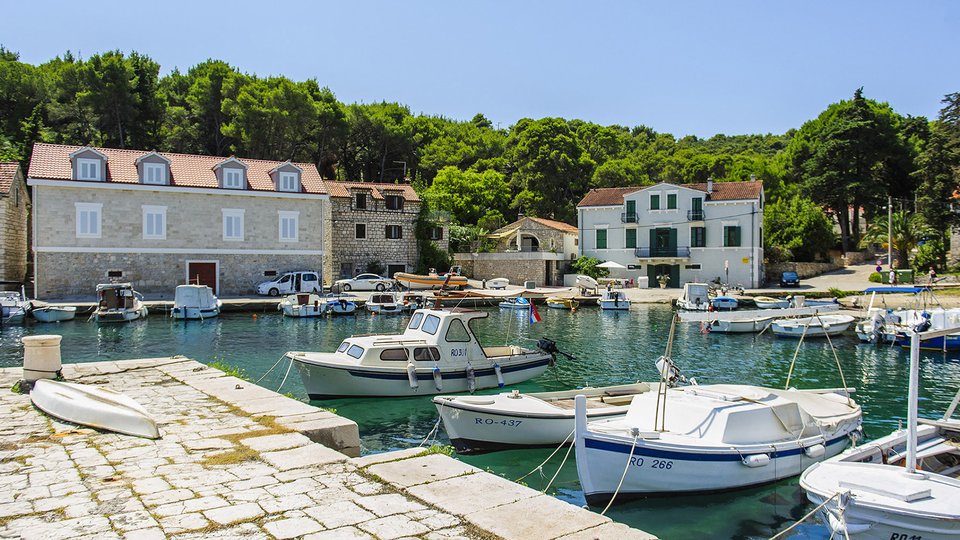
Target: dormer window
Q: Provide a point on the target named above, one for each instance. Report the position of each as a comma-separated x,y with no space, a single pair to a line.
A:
289,181
394,202
233,178
88,169
154,173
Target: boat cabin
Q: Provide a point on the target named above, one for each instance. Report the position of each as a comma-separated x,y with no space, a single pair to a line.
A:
115,296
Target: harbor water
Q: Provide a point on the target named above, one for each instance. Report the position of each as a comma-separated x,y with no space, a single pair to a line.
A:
609,348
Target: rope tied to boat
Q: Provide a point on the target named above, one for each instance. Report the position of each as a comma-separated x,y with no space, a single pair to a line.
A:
804,518
544,462
633,446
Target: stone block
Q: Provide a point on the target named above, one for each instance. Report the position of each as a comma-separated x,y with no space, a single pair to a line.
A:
461,495
384,457
292,528
339,514
270,443
234,514
386,505
335,432
304,456
421,470
343,533
392,527
538,517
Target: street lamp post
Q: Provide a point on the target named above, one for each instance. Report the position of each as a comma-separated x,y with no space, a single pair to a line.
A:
404,163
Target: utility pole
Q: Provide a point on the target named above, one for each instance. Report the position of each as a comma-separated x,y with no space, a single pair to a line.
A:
889,231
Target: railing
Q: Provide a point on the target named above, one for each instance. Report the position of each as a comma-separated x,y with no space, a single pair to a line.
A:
661,252
694,215
628,217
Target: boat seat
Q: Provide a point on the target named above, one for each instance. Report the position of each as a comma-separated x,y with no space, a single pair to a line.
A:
592,403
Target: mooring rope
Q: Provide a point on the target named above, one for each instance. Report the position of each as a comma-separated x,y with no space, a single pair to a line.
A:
271,368
624,475
544,462
804,518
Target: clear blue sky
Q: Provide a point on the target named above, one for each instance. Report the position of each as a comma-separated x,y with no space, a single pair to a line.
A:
680,67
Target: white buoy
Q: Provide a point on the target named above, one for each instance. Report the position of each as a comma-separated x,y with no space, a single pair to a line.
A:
41,357
437,378
496,369
412,375
471,379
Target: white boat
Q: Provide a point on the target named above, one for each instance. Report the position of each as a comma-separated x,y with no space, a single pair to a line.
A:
767,302
701,439
614,301
195,302
437,352
412,301
53,313
118,302
384,303
816,326
902,486
13,307
303,305
515,303
739,326
724,303
557,302
695,297
477,424
498,283
93,406
338,305
587,283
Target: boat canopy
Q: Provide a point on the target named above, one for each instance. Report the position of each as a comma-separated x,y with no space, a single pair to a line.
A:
891,290
193,296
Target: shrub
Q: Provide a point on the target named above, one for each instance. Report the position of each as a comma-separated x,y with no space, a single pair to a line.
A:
875,277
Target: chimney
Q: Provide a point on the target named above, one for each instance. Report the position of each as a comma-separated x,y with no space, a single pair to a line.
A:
753,178
710,184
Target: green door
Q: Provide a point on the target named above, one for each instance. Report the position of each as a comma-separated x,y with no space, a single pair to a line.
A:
631,211
696,214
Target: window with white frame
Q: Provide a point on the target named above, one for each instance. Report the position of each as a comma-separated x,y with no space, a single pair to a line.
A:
289,226
233,178
88,169
153,173
88,220
154,222
288,182
233,224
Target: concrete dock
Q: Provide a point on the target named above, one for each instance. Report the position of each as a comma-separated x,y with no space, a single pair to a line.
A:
237,460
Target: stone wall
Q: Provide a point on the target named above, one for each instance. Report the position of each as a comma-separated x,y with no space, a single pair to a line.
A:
13,231
803,269
516,267
347,249
550,239
76,275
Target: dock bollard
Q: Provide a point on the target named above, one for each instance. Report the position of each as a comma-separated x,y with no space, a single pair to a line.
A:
41,357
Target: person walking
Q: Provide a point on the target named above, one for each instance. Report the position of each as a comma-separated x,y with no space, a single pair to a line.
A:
933,275
893,277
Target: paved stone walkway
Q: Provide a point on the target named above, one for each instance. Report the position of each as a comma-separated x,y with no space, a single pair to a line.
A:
223,472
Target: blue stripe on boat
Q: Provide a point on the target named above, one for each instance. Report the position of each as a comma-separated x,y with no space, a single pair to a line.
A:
667,454
460,374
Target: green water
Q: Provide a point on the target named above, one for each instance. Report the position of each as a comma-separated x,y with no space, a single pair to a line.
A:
610,348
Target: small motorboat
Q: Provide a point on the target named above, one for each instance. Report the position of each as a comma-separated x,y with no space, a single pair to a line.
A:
557,302
384,303
430,281
195,302
478,424
816,326
118,302
767,302
498,283
47,313
739,326
724,303
412,301
303,305
13,307
614,301
515,303
93,406
695,297
339,305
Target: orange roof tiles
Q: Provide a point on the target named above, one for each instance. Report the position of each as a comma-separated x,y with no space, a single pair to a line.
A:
52,162
722,191
377,189
559,225
8,171
606,196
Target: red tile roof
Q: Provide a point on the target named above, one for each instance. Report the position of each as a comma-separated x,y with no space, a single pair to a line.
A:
722,191
377,189
8,171
558,225
52,162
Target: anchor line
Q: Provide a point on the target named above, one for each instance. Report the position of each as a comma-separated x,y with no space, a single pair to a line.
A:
544,462
623,476
804,518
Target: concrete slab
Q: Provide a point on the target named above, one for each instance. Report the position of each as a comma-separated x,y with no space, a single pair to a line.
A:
609,530
305,456
538,517
269,443
421,470
384,457
463,495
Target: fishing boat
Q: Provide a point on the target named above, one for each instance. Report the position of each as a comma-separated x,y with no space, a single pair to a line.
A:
93,406
882,324
118,302
695,297
816,326
47,313
902,486
195,302
767,302
724,303
437,352
384,303
430,281
13,307
479,424
614,301
557,302
303,305
339,305
515,303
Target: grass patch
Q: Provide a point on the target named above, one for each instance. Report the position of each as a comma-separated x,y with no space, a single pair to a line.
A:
444,449
232,457
230,370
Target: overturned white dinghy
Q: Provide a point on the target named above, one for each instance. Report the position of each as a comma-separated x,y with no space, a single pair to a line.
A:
94,406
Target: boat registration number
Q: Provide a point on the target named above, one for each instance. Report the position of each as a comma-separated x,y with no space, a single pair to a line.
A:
905,536
491,421
458,352
654,464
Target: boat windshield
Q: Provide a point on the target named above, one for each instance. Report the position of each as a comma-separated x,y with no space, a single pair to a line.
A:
415,321
355,351
431,324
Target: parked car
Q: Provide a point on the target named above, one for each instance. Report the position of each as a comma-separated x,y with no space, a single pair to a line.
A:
292,282
789,279
364,282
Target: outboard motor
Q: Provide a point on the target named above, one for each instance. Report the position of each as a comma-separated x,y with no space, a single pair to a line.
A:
549,346
670,371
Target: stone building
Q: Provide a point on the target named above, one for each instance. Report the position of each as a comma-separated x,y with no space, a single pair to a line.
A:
13,223
373,227
529,249
158,220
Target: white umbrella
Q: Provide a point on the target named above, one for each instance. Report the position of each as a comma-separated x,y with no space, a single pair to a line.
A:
611,264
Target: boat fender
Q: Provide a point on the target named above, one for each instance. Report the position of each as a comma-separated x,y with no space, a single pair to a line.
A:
756,460
814,452
437,378
499,372
471,379
412,375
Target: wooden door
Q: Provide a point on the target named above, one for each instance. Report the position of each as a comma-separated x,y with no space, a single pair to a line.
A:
203,273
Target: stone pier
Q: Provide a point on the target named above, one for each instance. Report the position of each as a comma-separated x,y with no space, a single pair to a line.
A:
238,461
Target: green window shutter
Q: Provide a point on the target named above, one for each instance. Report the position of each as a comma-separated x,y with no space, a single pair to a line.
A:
601,239
631,208
698,237
673,239
654,202
736,236
698,204
671,201
631,238
653,240
731,236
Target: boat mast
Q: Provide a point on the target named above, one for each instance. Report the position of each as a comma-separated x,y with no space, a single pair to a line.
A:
914,391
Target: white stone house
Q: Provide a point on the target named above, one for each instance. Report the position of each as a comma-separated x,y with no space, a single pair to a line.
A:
159,220
686,233
13,223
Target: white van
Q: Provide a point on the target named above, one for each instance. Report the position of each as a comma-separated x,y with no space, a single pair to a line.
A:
292,282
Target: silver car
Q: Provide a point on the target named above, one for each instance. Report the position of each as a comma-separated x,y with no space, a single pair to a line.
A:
364,282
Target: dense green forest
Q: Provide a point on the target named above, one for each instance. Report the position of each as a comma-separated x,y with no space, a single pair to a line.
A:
855,154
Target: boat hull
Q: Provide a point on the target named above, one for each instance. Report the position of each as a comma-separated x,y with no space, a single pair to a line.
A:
791,329
120,315
93,406
740,327
54,314
419,281
384,309
194,313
